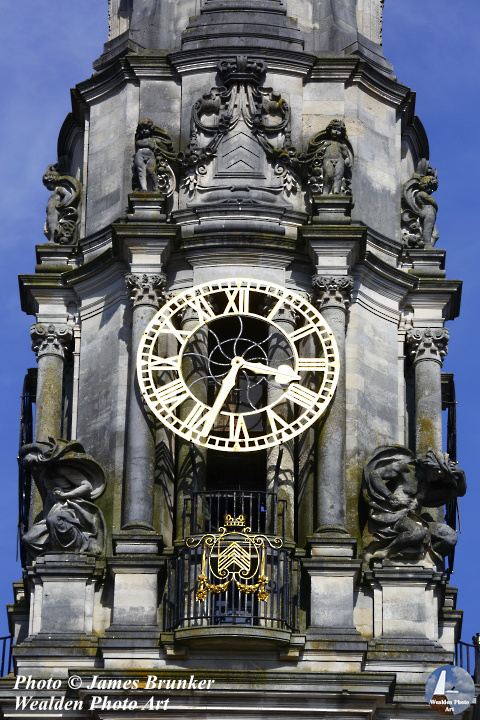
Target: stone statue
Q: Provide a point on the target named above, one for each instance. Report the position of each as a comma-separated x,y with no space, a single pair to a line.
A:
329,160
419,208
63,207
397,487
154,155
68,480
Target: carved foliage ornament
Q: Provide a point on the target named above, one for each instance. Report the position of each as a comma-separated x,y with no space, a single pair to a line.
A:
419,208
233,555
264,112
63,207
50,339
397,486
154,160
68,480
146,289
332,290
427,344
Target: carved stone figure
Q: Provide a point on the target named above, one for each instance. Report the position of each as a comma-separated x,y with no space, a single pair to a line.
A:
153,159
233,123
398,486
68,480
329,160
63,207
419,208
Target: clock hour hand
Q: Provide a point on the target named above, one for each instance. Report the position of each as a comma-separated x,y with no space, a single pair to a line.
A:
283,374
228,383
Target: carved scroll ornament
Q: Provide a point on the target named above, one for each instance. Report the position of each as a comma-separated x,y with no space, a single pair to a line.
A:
68,480
397,487
419,208
240,101
63,207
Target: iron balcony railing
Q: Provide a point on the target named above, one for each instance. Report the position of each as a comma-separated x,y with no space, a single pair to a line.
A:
279,611
6,663
467,656
206,511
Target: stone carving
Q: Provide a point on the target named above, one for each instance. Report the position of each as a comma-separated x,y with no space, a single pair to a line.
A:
251,117
146,289
329,161
153,160
332,290
63,207
419,208
397,487
427,344
50,339
68,480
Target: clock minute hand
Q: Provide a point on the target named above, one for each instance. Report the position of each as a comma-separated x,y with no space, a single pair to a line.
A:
283,374
228,383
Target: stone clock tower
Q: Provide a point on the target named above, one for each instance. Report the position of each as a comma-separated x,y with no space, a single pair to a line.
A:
232,464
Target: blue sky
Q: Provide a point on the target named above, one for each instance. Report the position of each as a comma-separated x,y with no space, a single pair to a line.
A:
48,47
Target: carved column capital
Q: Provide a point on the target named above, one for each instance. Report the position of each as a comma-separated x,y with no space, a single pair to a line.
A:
332,290
427,344
146,289
51,339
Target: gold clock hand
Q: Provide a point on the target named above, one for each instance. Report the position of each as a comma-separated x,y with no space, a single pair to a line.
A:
227,385
283,374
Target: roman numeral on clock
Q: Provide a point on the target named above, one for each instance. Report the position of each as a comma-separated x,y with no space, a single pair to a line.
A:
202,308
238,429
172,394
301,395
312,364
162,364
238,301
301,333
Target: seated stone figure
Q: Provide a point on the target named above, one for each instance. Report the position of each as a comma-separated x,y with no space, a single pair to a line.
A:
399,487
67,479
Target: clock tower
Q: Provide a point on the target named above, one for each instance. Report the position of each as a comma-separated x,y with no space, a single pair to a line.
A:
235,470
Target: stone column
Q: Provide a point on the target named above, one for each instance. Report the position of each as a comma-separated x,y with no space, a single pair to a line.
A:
50,343
427,348
191,461
286,479
332,298
146,293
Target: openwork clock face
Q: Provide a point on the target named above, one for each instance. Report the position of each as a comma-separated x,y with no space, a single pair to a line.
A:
237,364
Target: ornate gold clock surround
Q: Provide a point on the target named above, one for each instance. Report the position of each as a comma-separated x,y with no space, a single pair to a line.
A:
165,389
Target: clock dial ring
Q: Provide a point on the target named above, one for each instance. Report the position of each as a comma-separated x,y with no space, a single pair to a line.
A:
233,298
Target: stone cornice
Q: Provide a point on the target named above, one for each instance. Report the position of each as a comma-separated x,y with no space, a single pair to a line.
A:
44,289
206,59
441,292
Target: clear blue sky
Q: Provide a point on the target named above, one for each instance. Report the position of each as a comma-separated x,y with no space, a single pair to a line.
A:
48,47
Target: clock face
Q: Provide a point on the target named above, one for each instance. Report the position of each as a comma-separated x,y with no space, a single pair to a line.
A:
237,364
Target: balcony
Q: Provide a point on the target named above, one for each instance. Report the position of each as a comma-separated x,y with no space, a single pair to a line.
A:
234,576
205,512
